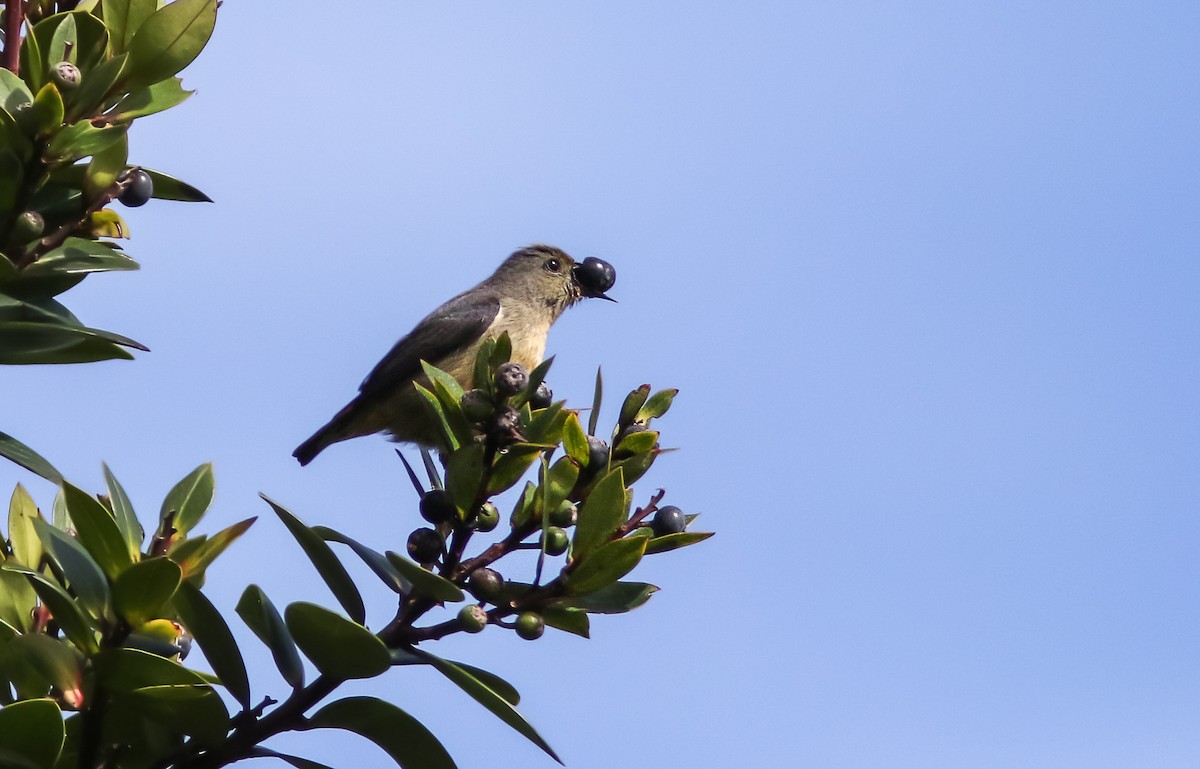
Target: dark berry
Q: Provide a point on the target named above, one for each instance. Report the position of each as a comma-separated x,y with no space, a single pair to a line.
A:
138,190
472,618
565,515
597,452
29,225
595,276
668,520
488,517
425,545
510,378
65,75
437,507
530,625
485,584
507,425
555,540
542,397
476,405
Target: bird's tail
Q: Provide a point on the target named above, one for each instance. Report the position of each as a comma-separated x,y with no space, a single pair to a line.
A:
336,430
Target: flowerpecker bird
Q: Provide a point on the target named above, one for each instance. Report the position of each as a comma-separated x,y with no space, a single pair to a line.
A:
524,296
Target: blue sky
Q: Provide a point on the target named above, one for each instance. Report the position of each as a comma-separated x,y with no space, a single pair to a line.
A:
924,273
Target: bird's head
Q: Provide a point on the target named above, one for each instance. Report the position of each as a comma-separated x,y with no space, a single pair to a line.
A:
549,274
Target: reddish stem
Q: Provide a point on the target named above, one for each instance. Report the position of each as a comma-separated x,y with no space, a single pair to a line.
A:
14,15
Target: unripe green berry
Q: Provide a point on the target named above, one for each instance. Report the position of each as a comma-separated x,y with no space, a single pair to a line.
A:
476,405
555,540
425,545
486,584
542,397
510,378
66,76
565,515
488,517
530,625
472,618
668,520
29,225
437,507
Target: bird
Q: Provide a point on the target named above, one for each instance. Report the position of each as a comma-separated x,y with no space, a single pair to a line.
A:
523,297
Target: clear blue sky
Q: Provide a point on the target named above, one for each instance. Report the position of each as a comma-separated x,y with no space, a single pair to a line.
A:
926,275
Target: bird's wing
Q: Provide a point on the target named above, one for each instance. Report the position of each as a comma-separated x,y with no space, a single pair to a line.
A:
454,325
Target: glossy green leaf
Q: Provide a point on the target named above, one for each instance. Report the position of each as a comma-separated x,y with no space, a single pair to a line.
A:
142,591
82,139
194,710
575,440
190,498
676,541
97,531
32,64
656,406
97,87
32,731
637,443
70,618
195,554
489,679
326,563
104,168
261,616
464,475
617,598
601,514
123,514
46,114
17,598
14,94
434,408
425,582
570,620
40,343
146,101
124,670
525,507
169,40
606,564
54,661
401,736
208,627
547,426
124,18
636,466
13,450
79,255
374,560
632,405
560,480
511,465
337,646
22,537
486,696
83,574
169,188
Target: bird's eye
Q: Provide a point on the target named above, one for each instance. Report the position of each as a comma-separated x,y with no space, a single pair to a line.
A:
553,265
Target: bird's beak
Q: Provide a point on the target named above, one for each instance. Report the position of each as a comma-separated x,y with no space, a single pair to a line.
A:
594,277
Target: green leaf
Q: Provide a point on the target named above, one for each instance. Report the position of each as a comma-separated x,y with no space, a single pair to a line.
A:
601,514
636,466
570,620
375,560
97,531
296,761
70,618
105,167
425,582
438,414
676,541
22,537
632,405
169,40
195,710
261,616
490,699
53,661
190,498
142,591
124,18
195,554
326,563
81,139
401,736
547,426
46,114
83,574
33,731
169,188
337,646
146,101
560,480
125,670
637,443
606,564
17,598
656,406
18,452
123,513
617,598
26,343
208,627
575,439
491,680
464,476
32,63
79,255
511,465
97,86
14,94
525,507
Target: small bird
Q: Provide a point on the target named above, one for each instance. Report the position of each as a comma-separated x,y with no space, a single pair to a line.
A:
524,296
